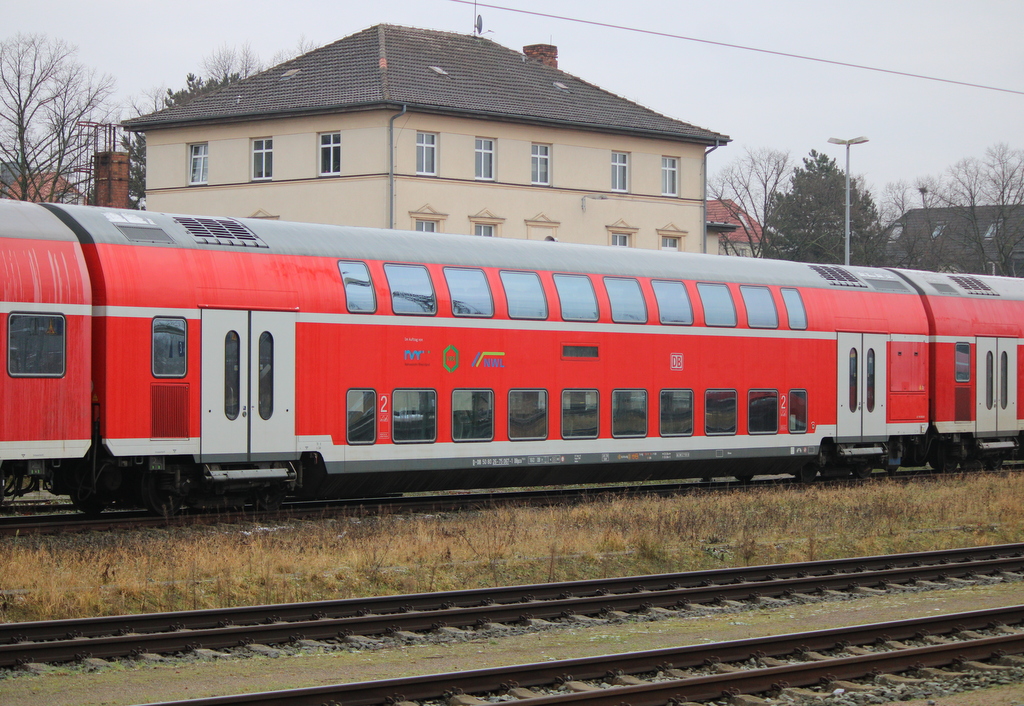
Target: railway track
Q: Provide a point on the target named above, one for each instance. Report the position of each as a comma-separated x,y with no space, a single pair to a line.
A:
352,621
779,665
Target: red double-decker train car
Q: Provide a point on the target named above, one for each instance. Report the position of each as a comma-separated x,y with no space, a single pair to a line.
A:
237,360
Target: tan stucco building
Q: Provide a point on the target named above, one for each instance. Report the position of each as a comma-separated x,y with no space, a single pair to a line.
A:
427,130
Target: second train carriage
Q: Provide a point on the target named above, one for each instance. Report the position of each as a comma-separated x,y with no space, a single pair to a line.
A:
239,360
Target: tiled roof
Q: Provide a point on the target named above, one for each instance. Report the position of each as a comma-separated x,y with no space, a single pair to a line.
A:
728,211
391,66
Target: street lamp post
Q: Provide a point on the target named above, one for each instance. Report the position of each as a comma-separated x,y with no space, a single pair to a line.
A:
854,141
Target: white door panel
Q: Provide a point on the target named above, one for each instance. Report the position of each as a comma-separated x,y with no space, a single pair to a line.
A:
861,385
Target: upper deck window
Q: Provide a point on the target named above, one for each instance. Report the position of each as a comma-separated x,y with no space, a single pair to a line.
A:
576,297
719,308
673,302
359,296
794,308
627,300
411,290
761,312
525,295
470,293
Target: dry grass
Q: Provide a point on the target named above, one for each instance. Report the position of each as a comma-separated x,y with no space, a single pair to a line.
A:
128,572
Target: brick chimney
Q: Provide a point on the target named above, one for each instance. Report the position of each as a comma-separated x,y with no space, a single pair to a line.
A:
546,54
111,179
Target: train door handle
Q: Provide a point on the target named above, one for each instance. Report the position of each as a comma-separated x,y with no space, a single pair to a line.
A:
243,411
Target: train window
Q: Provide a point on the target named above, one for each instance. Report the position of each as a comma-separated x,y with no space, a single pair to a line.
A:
629,413
414,416
962,370
576,297
1004,385
761,312
362,416
359,296
35,345
411,290
265,385
579,414
719,412
869,380
763,412
676,412
854,373
795,311
627,300
673,302
719,309
170,350
471,296
525,295
527,414
798,411
232,375
989,381
472,415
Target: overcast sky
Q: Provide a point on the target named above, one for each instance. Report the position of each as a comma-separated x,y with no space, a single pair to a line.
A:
916,127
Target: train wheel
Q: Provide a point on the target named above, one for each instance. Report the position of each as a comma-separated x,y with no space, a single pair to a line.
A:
745,478
862,471
268,499
941,460
808,473
87,502
156,499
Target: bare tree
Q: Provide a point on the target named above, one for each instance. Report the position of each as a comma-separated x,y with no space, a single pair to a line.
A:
45,96
228,64
303,46
747,188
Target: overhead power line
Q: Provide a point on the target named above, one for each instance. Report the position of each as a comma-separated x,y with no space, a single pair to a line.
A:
669,35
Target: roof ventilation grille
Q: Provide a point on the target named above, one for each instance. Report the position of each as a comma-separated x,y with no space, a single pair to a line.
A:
220,231
974,285
837,276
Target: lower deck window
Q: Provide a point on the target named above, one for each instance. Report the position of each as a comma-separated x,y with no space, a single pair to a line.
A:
472,415
169,348
719,412
35,345
763,412
361,414
414,416
676,412
527,414
798,411
629,413
579,414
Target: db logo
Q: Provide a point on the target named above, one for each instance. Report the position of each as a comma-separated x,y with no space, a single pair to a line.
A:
450,358
676,361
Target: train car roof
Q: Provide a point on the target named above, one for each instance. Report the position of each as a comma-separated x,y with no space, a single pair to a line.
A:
965,285
21,219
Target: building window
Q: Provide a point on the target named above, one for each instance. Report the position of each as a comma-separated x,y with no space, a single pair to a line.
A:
199,159
263,159
620,171
668,243
620,240
426,153
540,165
484,158
483,229
330,154
669,176
170,350
426,226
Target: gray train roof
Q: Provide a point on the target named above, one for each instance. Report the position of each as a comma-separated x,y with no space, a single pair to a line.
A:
146,228
21,219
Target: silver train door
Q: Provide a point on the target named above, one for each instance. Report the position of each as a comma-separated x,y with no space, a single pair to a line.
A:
862,365
248,385
995,386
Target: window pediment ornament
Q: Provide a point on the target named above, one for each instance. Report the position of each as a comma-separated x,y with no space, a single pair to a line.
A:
486,217
260,213
672,230
542,221
428,212
621,226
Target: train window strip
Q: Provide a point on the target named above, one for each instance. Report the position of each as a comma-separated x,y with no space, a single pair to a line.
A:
472,415
798,411
527,415
869,380
962,365
795,311
720,412
719,308
524,295
629,413
580,414
412,292
414,416
626,299
1004,380
470,293
763,412
170,347
761,311
36,345
674,306
359,293
361,417
232,375
676,413
854,379
576,297
265,382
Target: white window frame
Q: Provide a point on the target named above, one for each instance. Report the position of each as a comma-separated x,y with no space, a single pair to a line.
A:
263,159
426,225
483,229
620,171
484,159
671,246
330,146
202,158
620,240
540,154
669,176
426,146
